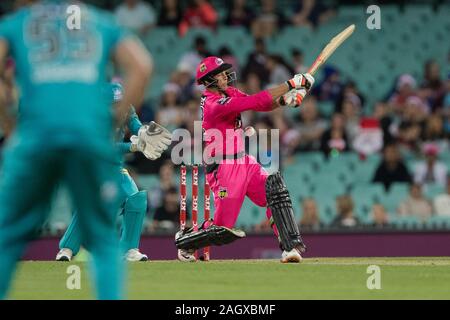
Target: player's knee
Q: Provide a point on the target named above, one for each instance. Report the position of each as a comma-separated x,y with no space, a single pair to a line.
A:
137,202
274,183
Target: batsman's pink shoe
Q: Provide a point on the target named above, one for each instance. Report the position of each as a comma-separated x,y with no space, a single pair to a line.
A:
292,256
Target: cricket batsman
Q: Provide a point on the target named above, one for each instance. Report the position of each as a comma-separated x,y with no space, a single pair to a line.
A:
133,202
231,173
64,131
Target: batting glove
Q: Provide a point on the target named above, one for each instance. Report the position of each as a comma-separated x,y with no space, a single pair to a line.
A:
293,98
301,81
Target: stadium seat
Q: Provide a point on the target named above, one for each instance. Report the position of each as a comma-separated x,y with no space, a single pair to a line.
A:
408,222
397,193
350,14
339,167
327,210
438,222
313,159
432,190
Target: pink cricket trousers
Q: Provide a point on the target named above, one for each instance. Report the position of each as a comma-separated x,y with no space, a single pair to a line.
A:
231,182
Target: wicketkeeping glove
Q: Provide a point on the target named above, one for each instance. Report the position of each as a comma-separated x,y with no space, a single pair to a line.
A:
301,81
153,139
137,145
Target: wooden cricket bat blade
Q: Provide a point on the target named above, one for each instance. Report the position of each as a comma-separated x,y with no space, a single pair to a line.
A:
330,48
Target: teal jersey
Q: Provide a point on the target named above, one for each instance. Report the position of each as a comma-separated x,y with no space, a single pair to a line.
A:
133,124
61,72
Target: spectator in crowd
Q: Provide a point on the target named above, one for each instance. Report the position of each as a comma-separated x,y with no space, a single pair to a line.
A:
239,14
268,21
415,204
228,57
431,171
290,141
191,114
413,118
351,110
349,91
192,58
278,69
169,111
183,78
392,168
382,114
136,15
331,87
146,112
345,217
335,138
368,138
310,127
199,14
167,216
170,14
379,216
256,62
405,88
252,84
298,61
434,130
433,88
445,111
310,13
263,226
166,176
441,202
310,215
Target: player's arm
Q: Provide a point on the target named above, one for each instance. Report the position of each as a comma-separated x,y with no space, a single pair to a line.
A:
7,122
134,124
266,100
135,62
124,147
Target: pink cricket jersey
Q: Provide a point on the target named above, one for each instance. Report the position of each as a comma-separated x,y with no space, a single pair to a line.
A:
223,113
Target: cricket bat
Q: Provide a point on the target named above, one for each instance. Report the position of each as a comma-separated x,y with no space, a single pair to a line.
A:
330,48
327,52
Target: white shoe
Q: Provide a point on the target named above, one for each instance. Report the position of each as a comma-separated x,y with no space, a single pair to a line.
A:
134,255
64,254
291,256
186,256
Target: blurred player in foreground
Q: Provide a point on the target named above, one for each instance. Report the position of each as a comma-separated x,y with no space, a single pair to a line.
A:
64,131
133,201
234,174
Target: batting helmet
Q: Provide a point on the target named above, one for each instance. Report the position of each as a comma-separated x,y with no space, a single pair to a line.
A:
209,67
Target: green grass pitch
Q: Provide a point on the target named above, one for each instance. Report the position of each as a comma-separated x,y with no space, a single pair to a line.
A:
326,278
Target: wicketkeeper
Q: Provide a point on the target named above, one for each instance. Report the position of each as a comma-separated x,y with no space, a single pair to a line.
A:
231,173
152,140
